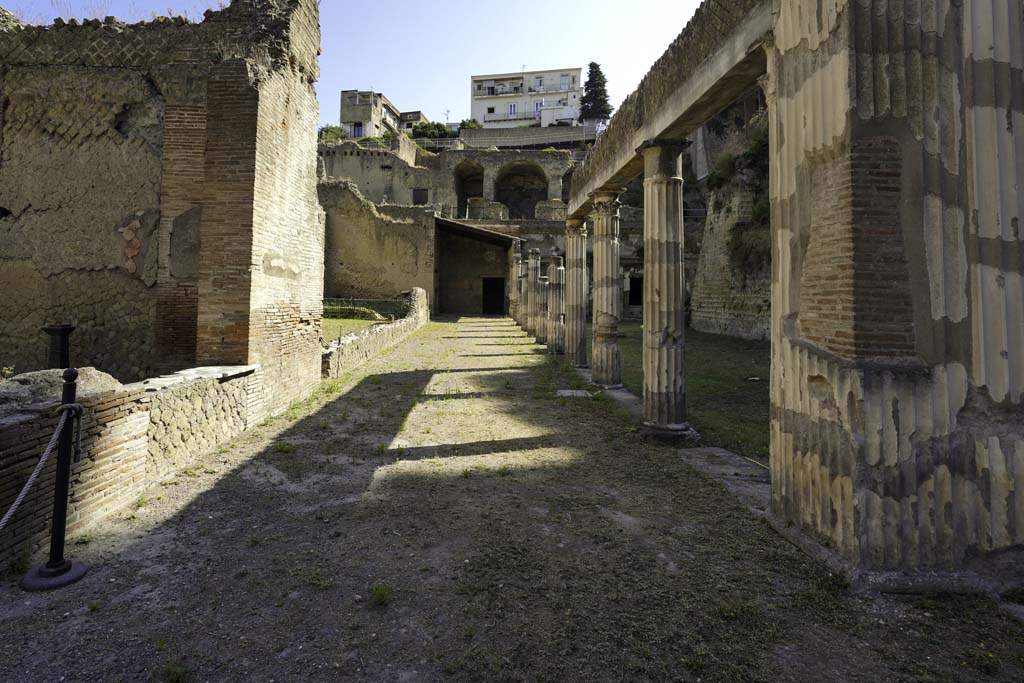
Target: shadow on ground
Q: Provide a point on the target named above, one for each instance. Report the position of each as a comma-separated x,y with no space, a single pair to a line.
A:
511,536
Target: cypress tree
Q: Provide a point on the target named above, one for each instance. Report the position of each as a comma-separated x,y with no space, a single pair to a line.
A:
595,105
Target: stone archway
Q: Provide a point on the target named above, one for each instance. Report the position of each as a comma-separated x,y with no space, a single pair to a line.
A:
469,183
520,186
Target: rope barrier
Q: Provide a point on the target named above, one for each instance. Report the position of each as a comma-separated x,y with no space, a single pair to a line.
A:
73,409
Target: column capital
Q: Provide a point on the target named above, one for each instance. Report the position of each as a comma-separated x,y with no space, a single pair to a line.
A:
576,227
535,253
661,157
606,202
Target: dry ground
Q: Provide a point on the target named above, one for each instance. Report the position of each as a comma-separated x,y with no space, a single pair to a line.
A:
442,516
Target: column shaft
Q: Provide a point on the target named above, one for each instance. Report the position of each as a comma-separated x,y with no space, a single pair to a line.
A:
542,310
576,285
513,285
664,314
605,360
532,275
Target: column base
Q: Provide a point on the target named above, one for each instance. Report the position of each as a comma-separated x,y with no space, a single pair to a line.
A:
675,434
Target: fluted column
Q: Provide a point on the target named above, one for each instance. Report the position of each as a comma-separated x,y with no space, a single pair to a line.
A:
576,284
664,315
513,284
542,310
522,295
605,362
556,327
532,273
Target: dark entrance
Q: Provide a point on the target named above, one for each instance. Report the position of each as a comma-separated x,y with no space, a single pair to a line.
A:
494,296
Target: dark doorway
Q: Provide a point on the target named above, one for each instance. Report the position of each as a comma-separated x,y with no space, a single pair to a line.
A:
636,291
494,296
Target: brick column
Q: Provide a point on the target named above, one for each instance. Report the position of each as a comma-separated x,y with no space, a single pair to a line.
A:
532,273
576,284
605,360
664,315
556,299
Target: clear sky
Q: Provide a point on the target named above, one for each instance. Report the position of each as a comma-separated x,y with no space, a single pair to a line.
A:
421,53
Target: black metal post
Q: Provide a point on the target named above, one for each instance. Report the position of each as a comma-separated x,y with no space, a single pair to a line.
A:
60,346
58,570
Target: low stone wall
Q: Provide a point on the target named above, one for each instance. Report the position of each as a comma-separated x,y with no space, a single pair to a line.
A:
131,437
351,350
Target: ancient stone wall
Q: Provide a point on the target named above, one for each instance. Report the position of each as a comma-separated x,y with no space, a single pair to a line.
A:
462,264
375,252
351,351
898,332
383,176
119,146
728,299
194,413
131,437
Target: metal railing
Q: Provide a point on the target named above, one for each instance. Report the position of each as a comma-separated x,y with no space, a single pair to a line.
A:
512,116
346,308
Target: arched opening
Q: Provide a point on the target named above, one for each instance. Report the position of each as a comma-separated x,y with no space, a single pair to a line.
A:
469,182
520,186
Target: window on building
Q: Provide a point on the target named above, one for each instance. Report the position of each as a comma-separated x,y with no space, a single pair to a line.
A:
420,196
357,130
537,105
565,81
540,82
490,110
512,108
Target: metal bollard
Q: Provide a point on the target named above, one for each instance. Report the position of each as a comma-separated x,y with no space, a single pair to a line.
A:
58,570
60,346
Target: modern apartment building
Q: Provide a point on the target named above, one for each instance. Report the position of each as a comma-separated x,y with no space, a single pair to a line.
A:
410,119
527,98
365,114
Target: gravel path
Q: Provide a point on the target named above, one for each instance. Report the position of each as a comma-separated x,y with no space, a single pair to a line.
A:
441,515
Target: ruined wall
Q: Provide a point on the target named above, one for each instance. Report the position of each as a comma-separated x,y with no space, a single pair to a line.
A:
351,351
728,299
898,328
462,264
375,252
383,176
107,180
132,436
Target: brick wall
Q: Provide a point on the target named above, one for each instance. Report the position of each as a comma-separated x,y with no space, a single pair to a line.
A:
131,437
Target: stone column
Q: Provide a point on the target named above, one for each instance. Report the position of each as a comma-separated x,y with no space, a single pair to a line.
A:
556,325
542,310
605,360
522,295
532,274
576,286
664,314
513,283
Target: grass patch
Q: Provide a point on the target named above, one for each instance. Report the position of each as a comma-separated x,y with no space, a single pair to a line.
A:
381,593
335,328
728,409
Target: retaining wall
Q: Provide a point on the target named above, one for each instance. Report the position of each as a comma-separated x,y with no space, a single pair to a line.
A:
351,350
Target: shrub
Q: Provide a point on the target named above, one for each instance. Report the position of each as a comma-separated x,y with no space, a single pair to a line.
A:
381,593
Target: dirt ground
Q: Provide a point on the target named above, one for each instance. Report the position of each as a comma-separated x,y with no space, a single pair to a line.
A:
442,516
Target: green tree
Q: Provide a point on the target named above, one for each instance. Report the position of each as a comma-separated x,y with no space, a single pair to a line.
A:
433,130
332,134
595,105
470,124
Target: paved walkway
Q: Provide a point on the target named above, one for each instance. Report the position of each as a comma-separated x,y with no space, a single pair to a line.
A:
511,535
